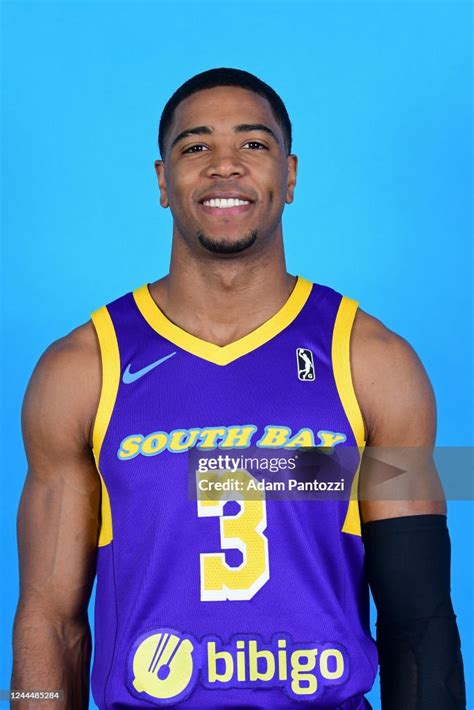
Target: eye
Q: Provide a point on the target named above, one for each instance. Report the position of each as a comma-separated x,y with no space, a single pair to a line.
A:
192,148
256,143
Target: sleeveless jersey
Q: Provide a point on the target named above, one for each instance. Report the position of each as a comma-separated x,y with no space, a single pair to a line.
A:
227,601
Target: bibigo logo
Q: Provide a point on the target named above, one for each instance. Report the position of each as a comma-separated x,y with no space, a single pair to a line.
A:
164,665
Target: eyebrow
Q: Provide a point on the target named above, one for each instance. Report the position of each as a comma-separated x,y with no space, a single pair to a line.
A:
240,128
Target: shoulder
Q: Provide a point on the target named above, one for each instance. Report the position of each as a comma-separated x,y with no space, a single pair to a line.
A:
391,385
64,388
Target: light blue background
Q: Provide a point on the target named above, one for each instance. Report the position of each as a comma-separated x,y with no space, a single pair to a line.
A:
380,98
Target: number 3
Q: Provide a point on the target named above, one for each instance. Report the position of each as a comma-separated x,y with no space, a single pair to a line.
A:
243,531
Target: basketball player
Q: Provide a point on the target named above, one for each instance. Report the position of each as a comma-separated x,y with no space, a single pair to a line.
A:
228,602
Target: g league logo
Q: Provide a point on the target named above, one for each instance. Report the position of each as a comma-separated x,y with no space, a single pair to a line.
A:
305,364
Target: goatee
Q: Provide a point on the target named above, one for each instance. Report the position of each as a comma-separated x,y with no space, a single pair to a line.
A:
222,246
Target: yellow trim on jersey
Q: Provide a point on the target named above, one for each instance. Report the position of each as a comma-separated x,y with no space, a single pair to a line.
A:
342,374
223,354
352,520
106,533
110,358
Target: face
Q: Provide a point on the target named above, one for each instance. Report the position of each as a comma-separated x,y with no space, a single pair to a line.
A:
226,176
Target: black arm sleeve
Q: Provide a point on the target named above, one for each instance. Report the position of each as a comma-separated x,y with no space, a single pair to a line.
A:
408,569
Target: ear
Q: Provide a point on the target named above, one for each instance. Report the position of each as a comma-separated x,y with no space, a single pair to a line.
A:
160,174
291,180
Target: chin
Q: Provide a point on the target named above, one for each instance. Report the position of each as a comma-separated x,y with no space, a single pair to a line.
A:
227,245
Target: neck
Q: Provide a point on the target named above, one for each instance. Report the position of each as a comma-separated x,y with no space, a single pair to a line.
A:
222,299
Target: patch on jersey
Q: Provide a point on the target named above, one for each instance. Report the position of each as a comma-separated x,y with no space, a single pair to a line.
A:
305,364
164,665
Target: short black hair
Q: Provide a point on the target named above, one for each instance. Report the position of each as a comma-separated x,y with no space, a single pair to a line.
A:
224,76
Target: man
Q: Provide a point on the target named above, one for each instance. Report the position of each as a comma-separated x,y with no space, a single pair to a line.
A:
239,601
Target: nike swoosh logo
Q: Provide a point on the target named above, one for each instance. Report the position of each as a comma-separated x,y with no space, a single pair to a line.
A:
129,377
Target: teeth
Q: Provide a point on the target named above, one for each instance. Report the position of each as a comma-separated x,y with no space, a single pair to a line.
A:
225,202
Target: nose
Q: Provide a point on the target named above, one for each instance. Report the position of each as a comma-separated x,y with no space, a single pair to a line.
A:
224,163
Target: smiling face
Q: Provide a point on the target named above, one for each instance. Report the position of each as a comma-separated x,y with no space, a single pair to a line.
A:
226,175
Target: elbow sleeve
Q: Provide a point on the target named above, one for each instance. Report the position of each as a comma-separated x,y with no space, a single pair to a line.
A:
408,569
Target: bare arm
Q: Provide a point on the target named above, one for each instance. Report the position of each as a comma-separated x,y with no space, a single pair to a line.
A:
399,411
58,520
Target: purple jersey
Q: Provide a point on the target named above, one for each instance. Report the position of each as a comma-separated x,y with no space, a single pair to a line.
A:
227,600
